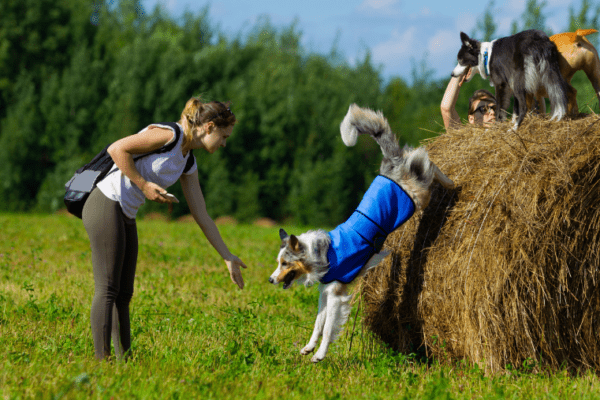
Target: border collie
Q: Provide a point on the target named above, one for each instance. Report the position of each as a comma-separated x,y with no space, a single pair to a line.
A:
516,65
336,258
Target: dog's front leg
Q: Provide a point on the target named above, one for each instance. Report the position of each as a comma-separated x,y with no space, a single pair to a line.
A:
338,308
503,95
319,322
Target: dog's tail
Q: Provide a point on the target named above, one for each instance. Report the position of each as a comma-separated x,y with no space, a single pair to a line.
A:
585,32
558,92
364,121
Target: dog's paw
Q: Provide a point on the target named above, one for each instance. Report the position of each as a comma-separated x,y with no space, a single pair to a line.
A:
307,350
315,359
319,355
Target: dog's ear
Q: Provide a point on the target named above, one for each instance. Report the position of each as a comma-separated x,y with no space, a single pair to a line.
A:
283,234
321,249
295,244
465,39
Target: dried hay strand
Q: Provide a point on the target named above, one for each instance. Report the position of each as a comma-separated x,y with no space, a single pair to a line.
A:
504,269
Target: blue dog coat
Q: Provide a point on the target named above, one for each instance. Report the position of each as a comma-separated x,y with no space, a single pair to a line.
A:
384,207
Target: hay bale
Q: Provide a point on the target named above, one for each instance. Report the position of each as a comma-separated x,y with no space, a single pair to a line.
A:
265,222
226,220
505,268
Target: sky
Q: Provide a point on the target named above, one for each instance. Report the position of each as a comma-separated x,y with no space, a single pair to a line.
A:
398,33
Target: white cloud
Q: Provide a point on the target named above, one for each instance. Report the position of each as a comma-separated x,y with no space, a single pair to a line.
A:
400,45
513,6
442,43
378,4
442,48
465,22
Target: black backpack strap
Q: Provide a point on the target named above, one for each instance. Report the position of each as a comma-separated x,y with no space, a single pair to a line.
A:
174,127
164,149
190,162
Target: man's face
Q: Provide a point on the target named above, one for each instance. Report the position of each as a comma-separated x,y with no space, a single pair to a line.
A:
485,112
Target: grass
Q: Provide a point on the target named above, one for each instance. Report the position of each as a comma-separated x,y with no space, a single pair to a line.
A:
195,335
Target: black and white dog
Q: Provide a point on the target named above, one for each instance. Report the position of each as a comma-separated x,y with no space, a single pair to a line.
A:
516,65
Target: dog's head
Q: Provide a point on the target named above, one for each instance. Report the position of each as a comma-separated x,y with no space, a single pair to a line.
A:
468,55
291,261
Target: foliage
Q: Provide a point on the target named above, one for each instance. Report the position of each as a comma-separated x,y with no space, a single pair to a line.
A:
486,26
532,18
76,75
587,17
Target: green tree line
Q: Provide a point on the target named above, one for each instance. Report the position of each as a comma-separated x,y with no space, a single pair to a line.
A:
76,75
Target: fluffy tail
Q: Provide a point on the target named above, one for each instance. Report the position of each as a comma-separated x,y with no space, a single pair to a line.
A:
552,80
364,121
558,91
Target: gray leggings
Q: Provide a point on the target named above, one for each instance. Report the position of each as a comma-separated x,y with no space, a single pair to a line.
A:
114,242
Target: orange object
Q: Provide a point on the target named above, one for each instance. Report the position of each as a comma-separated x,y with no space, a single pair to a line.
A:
576,53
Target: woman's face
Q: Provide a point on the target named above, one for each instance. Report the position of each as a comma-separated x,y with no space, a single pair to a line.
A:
211,137
485,112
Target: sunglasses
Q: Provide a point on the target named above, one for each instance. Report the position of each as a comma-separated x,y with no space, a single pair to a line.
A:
485,108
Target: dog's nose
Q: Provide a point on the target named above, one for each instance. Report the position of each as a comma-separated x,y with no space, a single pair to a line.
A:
271,280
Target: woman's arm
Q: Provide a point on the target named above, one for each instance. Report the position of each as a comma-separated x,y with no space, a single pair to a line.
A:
448,106
195,199
122,152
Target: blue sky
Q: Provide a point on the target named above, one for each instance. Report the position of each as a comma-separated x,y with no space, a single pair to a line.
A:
395,31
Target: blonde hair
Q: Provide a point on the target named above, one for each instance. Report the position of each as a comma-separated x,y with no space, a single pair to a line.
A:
196,113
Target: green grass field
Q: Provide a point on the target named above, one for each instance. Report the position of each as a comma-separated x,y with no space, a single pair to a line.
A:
195,335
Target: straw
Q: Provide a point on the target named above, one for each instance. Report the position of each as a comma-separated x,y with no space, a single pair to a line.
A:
504,269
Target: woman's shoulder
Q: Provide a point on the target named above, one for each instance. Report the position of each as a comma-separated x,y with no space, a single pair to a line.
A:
165,133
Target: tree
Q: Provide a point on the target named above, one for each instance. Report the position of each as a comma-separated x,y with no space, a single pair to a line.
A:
533,17
587,17
486,26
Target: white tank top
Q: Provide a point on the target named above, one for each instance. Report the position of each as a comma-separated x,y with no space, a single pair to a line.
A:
164,169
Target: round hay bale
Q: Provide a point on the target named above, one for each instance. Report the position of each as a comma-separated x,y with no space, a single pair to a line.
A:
156,216
505,268
187,218
226,220
265,222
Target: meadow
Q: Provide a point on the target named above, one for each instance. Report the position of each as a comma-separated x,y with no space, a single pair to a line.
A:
195,335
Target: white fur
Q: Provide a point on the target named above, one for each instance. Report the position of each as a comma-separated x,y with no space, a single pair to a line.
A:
484,70
460,70
348,131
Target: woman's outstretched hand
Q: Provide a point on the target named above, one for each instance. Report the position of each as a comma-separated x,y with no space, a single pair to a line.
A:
233,265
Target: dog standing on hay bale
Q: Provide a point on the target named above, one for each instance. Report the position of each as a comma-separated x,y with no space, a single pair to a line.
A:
507,269
575,53
336,258
518,65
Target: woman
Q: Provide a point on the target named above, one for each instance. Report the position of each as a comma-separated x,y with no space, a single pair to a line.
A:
109,212
482,104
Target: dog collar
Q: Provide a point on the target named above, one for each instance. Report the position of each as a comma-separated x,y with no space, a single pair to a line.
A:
485,62
486,56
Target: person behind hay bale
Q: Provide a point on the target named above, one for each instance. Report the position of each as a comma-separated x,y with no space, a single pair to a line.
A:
482,105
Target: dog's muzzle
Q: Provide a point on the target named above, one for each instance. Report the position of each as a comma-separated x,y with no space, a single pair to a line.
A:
289,278
459,70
